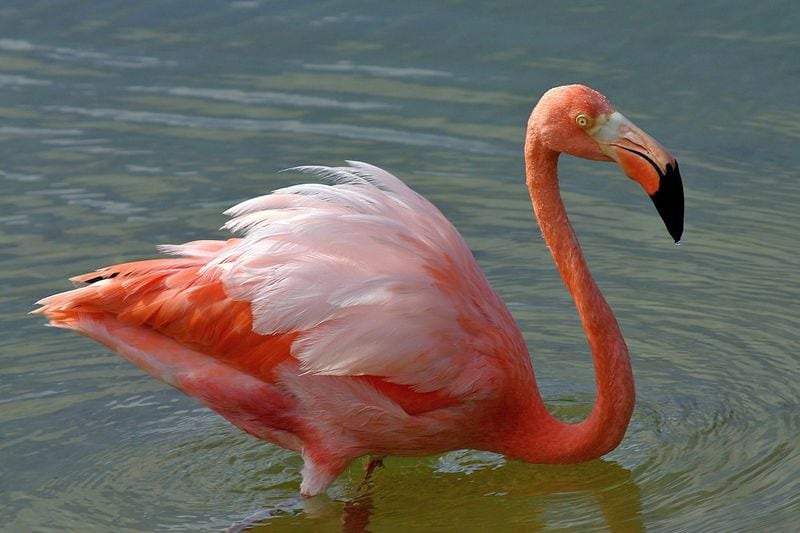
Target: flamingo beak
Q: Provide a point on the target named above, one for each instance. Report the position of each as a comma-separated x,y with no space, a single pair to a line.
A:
645,161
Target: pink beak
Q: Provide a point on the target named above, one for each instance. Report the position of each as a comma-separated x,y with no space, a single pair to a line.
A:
645,161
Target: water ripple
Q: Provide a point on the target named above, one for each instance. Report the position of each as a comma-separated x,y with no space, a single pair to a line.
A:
62,53
269,98
93,199
17,81
36,132
374,70
290,126
18,176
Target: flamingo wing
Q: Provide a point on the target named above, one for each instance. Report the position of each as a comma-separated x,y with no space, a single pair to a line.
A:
375,280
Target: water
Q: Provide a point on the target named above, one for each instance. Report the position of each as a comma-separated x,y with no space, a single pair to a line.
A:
127,125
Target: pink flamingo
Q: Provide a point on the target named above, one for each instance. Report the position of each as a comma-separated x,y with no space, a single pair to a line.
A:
351,319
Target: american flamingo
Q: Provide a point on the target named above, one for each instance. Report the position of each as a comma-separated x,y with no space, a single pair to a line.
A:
351,319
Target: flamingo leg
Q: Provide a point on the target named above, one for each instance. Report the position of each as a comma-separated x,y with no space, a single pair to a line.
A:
357,511
355,516
369,467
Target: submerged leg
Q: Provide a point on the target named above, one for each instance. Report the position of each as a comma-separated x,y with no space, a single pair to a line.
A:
319,471
358,511
371,466
316,478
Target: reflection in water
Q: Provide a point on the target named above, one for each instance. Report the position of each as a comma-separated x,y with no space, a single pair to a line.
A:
601,494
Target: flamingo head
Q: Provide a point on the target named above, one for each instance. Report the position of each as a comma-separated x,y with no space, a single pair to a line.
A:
580,121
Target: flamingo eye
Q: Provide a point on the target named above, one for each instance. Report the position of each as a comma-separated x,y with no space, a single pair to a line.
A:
584,121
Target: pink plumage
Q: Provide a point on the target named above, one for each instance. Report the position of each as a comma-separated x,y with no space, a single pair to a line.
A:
350,318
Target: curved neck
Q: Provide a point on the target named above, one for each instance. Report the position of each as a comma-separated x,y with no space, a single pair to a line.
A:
542,437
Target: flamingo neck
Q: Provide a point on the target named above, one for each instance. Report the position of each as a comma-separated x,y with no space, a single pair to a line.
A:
542,437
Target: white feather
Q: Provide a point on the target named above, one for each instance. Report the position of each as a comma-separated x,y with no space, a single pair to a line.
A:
372,276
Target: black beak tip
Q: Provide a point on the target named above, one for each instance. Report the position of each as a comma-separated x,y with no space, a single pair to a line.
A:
676,235
668,200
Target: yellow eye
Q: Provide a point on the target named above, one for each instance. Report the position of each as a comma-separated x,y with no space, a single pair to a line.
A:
584,121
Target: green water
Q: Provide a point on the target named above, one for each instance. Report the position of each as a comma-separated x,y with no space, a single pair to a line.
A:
124,125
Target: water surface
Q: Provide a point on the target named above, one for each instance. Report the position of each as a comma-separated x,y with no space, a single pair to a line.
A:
124,125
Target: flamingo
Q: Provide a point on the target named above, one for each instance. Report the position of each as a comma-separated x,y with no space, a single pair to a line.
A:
350,319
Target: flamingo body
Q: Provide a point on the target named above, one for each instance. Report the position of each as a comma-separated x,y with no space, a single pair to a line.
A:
351,318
